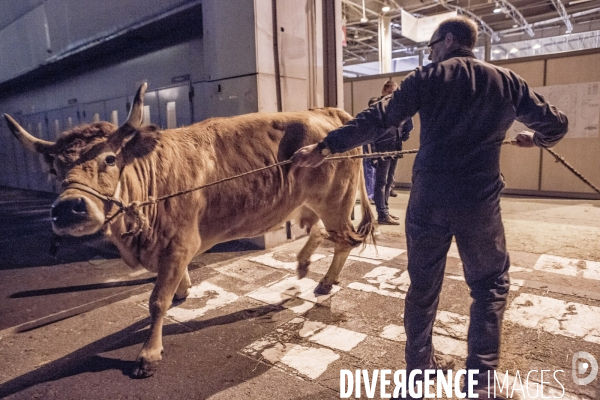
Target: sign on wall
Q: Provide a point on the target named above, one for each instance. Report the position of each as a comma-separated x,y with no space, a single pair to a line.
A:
581,104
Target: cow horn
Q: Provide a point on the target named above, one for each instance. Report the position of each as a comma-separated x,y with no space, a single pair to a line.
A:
137,108
30,142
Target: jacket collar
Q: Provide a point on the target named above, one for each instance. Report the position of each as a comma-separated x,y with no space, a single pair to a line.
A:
460,53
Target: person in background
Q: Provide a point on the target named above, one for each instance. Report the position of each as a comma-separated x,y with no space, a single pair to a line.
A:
466,106
369,171
385,168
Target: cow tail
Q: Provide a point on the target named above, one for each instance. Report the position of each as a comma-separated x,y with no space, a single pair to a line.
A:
366,227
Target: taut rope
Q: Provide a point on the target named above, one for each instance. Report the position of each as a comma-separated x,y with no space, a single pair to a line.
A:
132,209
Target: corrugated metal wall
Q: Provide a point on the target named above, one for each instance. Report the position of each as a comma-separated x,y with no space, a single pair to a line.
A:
33,33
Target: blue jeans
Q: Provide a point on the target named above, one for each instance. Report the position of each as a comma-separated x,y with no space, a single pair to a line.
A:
369,177
479,234
384,179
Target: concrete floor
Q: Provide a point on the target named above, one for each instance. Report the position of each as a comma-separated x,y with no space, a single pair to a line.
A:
72,326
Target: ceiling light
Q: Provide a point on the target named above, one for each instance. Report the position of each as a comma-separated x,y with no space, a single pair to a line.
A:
497,10
536,46
515,26
572,3
385,8
364,20
497,51
514,50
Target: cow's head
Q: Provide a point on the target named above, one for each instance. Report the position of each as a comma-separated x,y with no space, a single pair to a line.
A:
87,161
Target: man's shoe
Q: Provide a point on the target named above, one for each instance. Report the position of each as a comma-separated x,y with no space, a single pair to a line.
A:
393,194
443,362
387,220
394,217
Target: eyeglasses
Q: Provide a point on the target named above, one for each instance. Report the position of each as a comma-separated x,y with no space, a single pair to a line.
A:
431,44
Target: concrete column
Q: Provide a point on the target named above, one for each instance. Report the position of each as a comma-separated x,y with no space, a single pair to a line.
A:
385,44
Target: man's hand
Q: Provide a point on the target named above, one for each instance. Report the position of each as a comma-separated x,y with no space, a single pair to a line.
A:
524,139
308,156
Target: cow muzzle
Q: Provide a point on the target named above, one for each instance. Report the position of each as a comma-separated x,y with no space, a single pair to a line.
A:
76,216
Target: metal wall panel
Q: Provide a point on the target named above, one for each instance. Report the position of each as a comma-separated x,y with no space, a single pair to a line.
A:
118,106
92,112
24,44
229,48
174,105
225,98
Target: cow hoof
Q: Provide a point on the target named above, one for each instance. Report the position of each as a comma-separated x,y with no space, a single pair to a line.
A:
302,270
144,370
322,289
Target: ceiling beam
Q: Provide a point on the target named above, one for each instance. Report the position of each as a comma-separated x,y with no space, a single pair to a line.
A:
563,14
484,26
517,16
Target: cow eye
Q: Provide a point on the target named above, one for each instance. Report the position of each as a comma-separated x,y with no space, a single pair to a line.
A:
111,160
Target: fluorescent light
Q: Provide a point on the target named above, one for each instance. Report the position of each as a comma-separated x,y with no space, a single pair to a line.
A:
572,3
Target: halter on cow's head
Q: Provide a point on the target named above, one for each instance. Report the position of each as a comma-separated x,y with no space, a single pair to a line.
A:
88,161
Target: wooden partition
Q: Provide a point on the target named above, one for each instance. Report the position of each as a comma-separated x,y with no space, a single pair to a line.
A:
529,171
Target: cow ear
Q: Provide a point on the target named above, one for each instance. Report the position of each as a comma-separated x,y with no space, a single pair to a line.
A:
137,143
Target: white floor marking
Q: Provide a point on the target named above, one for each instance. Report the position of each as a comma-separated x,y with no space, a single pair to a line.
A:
451,324
338,338
270,261
376,253
556,316
515,284
140,271
310,328
373,289
453,252
568,266
216,297
514,268
388,284
394,332
451,346
375,262
309,361
288,288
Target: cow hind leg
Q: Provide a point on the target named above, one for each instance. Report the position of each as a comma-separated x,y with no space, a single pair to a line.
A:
309,220
183,290
340,255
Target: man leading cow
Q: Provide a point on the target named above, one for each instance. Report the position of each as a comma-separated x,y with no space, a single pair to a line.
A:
466,106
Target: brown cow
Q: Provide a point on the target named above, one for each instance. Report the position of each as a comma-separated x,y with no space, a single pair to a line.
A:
99,162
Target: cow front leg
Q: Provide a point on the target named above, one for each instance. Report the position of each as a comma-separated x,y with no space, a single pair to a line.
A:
172,274
340,254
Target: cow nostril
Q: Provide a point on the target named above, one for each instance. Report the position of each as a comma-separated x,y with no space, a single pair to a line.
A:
69,211
80,207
